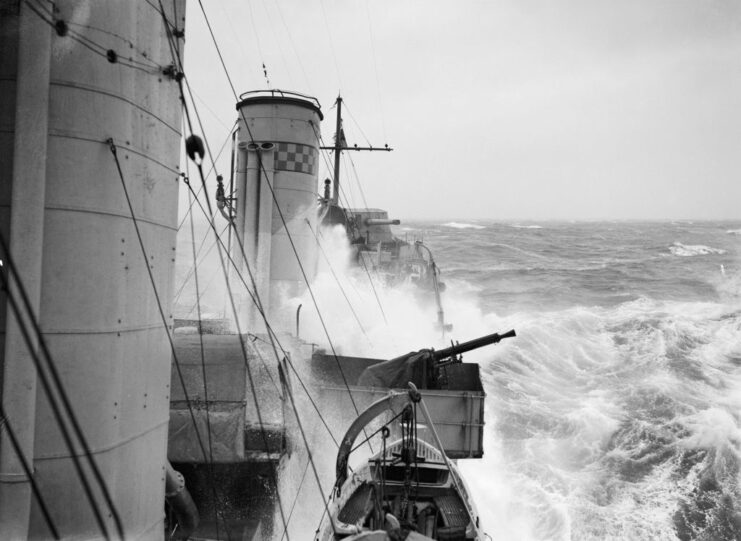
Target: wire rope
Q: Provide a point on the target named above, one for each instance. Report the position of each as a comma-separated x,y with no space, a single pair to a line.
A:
203,375
50,380
5,422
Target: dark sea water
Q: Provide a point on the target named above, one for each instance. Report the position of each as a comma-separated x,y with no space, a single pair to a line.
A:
616,411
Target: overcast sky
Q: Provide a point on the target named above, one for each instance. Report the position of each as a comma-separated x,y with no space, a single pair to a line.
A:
501,109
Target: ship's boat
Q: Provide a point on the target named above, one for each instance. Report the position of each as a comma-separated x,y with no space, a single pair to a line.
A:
409,488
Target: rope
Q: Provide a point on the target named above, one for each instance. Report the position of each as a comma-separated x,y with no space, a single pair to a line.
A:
213,166
394,418
293,247
241,337
336,278
318,136
203,374
47,385
114,152
375,65
298,493
308,394
61,28
5,422
306,444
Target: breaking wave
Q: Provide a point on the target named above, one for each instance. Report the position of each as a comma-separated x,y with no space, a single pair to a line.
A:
615,421
518,226
734,231
688,250
463,225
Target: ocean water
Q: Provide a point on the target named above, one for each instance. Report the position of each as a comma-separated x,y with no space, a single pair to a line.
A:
615,414
616,411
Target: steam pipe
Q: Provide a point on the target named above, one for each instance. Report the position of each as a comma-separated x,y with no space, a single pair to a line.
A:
264,224
180,501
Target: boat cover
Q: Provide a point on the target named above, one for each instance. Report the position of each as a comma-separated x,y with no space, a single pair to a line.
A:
398,372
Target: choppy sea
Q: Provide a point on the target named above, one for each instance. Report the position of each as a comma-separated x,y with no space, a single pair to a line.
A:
616,411
615,414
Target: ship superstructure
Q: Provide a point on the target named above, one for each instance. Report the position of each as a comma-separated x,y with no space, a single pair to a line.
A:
108,410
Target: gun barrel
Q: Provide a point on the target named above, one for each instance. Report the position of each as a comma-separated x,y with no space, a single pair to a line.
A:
471,344
381,221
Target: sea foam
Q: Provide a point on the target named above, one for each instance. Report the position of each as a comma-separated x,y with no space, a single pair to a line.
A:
462,225
689,250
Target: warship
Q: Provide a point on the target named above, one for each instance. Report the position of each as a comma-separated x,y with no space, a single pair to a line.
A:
118,422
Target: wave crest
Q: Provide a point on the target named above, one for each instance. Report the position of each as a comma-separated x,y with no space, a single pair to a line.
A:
689,250
461,225
519,226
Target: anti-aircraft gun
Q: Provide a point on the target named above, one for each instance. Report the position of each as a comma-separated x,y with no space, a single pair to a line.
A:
423,367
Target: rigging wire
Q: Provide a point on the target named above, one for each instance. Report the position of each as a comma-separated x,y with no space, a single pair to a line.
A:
331,44
161,11
178,60
319,138
306,445
385,425
283,221
293,45
236,270
126,41
165,325
279,43
357,125
375,66
61,28
203,374
357,180
308,394
275,337
298,494
226,278
257,40
301,267
52,379
211,170
250,378
189,274
5,423
336,278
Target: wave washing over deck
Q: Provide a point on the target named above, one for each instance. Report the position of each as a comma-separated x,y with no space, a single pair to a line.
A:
615,412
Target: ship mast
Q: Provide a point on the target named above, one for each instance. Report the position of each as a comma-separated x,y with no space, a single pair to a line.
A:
337,150
340,144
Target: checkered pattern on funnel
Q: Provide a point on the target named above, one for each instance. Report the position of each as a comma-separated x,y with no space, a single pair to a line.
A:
295,157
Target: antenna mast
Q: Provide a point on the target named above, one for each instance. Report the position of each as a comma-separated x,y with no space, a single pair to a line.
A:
339,145
337,150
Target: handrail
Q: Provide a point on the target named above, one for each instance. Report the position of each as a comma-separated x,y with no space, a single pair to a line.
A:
276,92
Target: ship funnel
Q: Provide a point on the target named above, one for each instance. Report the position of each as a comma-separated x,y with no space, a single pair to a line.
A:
276,180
